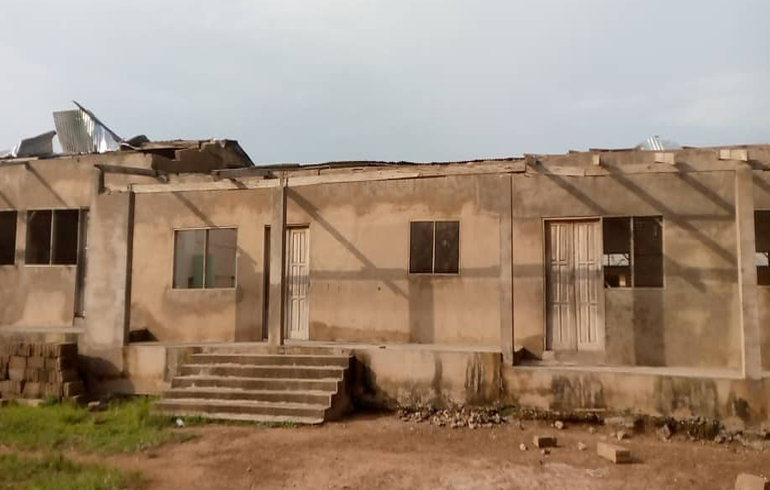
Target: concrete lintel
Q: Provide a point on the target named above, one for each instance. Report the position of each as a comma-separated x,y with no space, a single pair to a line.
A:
277,305
747,273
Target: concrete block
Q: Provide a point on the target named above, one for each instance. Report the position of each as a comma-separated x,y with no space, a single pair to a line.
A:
52,390
14,389
33,374
16,374
17,362
614,453
36,362
21,350
72,388
746,481
58,363
32,390
544,441
63,376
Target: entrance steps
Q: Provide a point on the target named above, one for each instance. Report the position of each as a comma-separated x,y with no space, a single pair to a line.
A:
304,386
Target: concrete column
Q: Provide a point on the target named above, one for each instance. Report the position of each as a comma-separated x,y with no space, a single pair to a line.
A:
277,306
506,281
108,280
747,272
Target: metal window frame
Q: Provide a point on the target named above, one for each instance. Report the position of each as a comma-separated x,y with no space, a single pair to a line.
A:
206,230
433,249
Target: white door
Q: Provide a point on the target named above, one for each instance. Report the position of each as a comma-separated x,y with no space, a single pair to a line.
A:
297,283
574,292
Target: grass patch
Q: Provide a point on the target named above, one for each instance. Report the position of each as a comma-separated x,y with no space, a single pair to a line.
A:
124,427
54,472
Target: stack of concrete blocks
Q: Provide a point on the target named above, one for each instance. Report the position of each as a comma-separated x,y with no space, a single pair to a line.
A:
39,370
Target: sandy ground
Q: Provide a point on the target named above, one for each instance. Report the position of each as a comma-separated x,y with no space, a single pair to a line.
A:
382,452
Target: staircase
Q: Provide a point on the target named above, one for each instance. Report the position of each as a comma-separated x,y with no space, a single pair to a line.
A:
303,385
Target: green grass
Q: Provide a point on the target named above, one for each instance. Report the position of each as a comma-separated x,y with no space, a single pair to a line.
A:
54,472
124,427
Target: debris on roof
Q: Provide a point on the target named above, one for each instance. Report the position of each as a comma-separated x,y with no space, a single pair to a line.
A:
654,143
40,145
80,131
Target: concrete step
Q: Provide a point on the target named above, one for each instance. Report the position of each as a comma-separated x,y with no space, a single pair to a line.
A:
203,407
247,348
323,398
242,417
272,359
274,384
246,371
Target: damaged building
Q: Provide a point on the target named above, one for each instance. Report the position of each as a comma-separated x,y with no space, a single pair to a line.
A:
609,280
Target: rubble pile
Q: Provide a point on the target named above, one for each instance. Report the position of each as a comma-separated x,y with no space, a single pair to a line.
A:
39,370
470,417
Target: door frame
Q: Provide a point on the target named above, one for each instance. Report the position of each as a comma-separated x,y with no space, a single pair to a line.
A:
287,299
545,252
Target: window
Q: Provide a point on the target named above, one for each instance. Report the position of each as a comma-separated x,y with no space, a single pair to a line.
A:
52,237
205,259
762,232
434,247
7,237
633,252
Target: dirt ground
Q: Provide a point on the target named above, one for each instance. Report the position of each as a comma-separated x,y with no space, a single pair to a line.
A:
382,452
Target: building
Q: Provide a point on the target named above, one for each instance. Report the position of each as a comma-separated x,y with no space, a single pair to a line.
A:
604,280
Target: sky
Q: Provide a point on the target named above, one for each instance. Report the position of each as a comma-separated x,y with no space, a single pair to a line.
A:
418,80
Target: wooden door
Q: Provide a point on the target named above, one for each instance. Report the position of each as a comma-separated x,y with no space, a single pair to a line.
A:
297,283
574,292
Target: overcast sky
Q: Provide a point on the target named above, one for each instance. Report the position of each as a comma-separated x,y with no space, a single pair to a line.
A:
422,80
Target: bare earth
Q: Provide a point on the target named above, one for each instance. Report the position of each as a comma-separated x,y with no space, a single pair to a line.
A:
382,452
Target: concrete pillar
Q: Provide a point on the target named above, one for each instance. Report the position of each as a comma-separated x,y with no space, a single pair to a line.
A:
506,281
747,272
108,280
277,306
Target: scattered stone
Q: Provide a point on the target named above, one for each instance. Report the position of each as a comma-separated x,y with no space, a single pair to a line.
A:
95,406
545,451
581,446
544,441
248,470
473,418
522,447
592,430
719,439
664,432
746,481
621,435
559,425
628,423
614,453
179,423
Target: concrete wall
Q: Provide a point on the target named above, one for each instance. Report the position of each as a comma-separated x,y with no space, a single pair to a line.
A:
40,295
762,202
359,254
567,390
694,319
197,314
